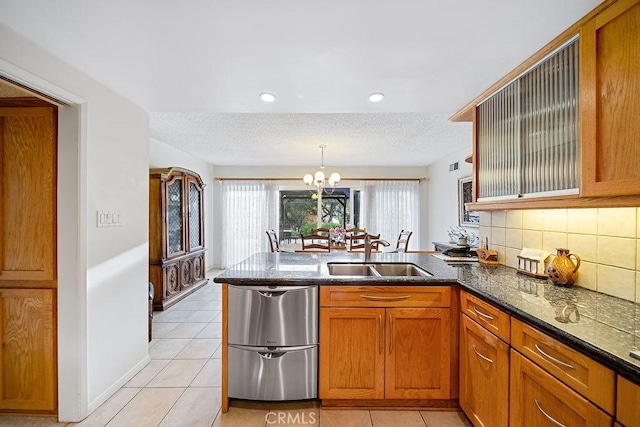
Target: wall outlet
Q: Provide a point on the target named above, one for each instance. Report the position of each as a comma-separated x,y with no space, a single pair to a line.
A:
109,219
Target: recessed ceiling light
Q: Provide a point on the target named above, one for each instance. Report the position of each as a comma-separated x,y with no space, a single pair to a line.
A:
376,97
267,97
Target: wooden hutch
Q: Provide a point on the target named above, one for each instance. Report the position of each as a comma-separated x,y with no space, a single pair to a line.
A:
176,234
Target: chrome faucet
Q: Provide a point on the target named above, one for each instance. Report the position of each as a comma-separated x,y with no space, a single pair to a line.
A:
368,244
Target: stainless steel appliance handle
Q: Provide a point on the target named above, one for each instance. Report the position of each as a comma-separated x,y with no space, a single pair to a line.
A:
272,349
553,420
553,359
271,288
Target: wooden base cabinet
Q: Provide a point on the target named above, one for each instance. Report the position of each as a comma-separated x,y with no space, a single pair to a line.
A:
540,400
384,352
484,375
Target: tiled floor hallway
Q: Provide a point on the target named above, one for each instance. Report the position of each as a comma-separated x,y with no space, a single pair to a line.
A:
181,385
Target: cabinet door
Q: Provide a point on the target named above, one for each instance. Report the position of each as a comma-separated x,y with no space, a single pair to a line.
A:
195,226
27,359
27,196
537,399
610,89
175,219
417,353
352,353
484,367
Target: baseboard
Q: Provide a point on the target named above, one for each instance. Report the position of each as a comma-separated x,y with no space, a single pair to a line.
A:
118,385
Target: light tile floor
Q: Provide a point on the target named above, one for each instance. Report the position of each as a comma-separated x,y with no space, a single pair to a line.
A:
181,385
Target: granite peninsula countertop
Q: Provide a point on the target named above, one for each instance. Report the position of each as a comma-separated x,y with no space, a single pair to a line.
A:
602,326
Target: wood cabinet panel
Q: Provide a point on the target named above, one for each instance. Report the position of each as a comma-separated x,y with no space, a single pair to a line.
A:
28,196
539,400
352,353
491,318
484,368
418,353
610,88
385,296
374,353
628,403
578,371
28,357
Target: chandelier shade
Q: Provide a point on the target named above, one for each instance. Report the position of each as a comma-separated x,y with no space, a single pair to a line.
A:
319,179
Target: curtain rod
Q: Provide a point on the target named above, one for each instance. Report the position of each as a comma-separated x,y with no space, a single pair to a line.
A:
300,179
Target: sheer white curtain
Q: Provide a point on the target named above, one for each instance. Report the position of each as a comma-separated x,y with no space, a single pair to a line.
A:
249,209
391,206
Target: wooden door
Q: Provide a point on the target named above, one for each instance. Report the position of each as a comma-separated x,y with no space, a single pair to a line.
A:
609,93
417,353
351,353
537,399
27,359
484,368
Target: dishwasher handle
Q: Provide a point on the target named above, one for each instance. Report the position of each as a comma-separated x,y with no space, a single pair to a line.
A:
274,350
272,289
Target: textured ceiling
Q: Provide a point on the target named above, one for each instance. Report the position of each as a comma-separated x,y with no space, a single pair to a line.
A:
199,65
294,139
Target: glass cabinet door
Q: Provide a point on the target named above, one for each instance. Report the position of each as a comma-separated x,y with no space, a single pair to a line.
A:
195,217
175,232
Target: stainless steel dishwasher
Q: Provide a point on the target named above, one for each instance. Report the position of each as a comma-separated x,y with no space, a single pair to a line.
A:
273,342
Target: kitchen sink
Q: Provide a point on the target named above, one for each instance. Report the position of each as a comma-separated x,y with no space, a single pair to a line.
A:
376,269
388,269
338,269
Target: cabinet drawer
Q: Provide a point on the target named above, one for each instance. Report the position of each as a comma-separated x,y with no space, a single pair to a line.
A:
581,373
539,399
486,315
385,296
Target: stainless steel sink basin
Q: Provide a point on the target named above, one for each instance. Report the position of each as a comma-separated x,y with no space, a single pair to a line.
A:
338,269
400,270
376,269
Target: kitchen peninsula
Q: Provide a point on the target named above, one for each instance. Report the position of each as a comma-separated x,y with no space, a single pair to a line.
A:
592,331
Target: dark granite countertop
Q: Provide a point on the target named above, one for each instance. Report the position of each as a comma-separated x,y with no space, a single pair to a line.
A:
604,327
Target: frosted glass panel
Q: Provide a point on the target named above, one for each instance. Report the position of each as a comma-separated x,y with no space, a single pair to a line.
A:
528,132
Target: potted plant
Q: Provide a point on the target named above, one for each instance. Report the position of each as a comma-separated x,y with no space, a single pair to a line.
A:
461,236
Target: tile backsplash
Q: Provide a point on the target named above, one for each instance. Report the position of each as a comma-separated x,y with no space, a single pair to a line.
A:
607,240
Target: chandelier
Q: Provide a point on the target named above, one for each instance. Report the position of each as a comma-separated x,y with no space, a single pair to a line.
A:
319,179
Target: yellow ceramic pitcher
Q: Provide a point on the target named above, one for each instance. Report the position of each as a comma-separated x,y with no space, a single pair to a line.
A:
562,271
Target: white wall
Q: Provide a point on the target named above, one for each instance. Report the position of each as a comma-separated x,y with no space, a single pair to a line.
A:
162,155
298,172
443,195
102,288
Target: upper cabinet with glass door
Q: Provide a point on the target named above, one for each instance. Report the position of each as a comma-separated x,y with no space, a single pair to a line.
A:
561,129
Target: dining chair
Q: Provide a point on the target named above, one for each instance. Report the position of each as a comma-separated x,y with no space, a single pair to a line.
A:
316,241
355,238
403,241
274,245
357,244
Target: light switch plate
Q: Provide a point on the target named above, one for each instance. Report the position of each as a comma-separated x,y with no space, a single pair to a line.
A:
109,219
